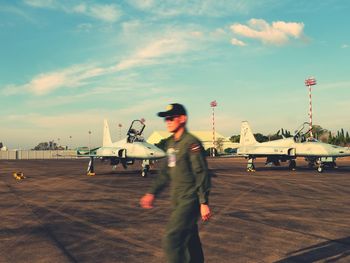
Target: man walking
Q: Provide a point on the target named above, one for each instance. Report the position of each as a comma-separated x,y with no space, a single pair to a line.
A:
186,169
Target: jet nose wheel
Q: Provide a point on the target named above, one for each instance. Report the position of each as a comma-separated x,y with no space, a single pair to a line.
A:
292,165
145,168
145,171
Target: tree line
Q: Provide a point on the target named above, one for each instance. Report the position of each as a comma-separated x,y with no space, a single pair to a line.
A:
50,145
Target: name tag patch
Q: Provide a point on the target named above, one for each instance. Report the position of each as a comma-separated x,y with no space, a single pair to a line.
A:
171,153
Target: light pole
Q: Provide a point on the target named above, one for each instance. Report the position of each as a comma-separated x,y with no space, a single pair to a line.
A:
89,141
213,104
70,142
311,81
58,141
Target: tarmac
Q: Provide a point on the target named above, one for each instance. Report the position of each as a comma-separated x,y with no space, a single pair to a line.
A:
59,214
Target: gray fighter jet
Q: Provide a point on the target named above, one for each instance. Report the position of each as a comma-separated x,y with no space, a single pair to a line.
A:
315,153
125,151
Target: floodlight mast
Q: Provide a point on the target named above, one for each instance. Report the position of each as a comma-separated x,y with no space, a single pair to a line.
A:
311,81
213,104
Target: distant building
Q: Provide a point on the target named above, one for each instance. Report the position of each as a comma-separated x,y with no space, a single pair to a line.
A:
206,137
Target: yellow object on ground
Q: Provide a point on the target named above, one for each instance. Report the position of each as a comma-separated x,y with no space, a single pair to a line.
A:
90,174
18,175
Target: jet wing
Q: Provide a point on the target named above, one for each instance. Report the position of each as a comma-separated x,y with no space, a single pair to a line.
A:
115,152
265,150
86,152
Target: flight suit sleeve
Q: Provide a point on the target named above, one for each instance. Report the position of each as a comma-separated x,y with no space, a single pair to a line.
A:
162,178
199,168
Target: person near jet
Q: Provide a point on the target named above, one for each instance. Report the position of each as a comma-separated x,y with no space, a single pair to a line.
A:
186,169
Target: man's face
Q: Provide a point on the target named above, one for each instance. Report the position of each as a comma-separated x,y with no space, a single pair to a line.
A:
173,123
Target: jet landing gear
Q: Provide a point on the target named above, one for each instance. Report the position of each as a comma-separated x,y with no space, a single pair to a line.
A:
292,165
250,165
145,168
90,169
323,162
320,166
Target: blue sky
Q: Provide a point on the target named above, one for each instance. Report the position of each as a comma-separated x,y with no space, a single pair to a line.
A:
67,65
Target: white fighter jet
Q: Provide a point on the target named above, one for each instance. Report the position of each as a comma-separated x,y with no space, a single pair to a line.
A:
288,149
125,151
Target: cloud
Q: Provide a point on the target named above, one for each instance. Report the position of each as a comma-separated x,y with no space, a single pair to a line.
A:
278,33
112,90
164,49
105,12
44,83
197,34
211,8
345,46
16,11
147,47
143,4
237,42
155,51
219,32
84,27
41,3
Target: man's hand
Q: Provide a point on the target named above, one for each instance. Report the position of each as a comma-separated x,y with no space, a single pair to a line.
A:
147,201
205,212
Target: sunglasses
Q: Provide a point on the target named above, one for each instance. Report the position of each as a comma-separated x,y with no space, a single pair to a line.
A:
170,118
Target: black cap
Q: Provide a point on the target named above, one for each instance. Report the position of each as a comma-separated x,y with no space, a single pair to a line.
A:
173,110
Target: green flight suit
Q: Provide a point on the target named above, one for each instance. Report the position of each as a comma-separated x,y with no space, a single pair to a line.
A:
186,168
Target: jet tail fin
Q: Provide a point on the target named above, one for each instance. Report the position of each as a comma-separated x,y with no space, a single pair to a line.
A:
107,141
247,136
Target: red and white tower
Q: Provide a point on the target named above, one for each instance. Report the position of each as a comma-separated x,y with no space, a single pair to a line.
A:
213,104
311,81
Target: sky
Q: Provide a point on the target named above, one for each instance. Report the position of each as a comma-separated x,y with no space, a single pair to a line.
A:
65,65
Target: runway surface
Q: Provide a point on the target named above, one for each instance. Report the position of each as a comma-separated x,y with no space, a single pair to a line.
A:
58,214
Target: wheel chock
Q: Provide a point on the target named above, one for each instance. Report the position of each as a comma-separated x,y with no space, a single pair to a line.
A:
18,175
90,174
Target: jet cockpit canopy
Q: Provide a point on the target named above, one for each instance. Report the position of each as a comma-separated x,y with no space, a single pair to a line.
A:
135,131
301,132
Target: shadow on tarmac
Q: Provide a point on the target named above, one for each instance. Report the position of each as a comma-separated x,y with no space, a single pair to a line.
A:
329,251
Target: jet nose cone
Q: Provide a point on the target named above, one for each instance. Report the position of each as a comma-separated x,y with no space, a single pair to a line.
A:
160,153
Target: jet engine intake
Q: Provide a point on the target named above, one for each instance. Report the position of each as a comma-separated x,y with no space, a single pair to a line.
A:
122,153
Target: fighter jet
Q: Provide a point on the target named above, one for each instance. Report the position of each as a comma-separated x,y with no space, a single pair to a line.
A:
288,149
125,151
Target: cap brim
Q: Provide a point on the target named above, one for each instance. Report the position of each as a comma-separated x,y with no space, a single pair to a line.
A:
165,113
162,114
170,113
